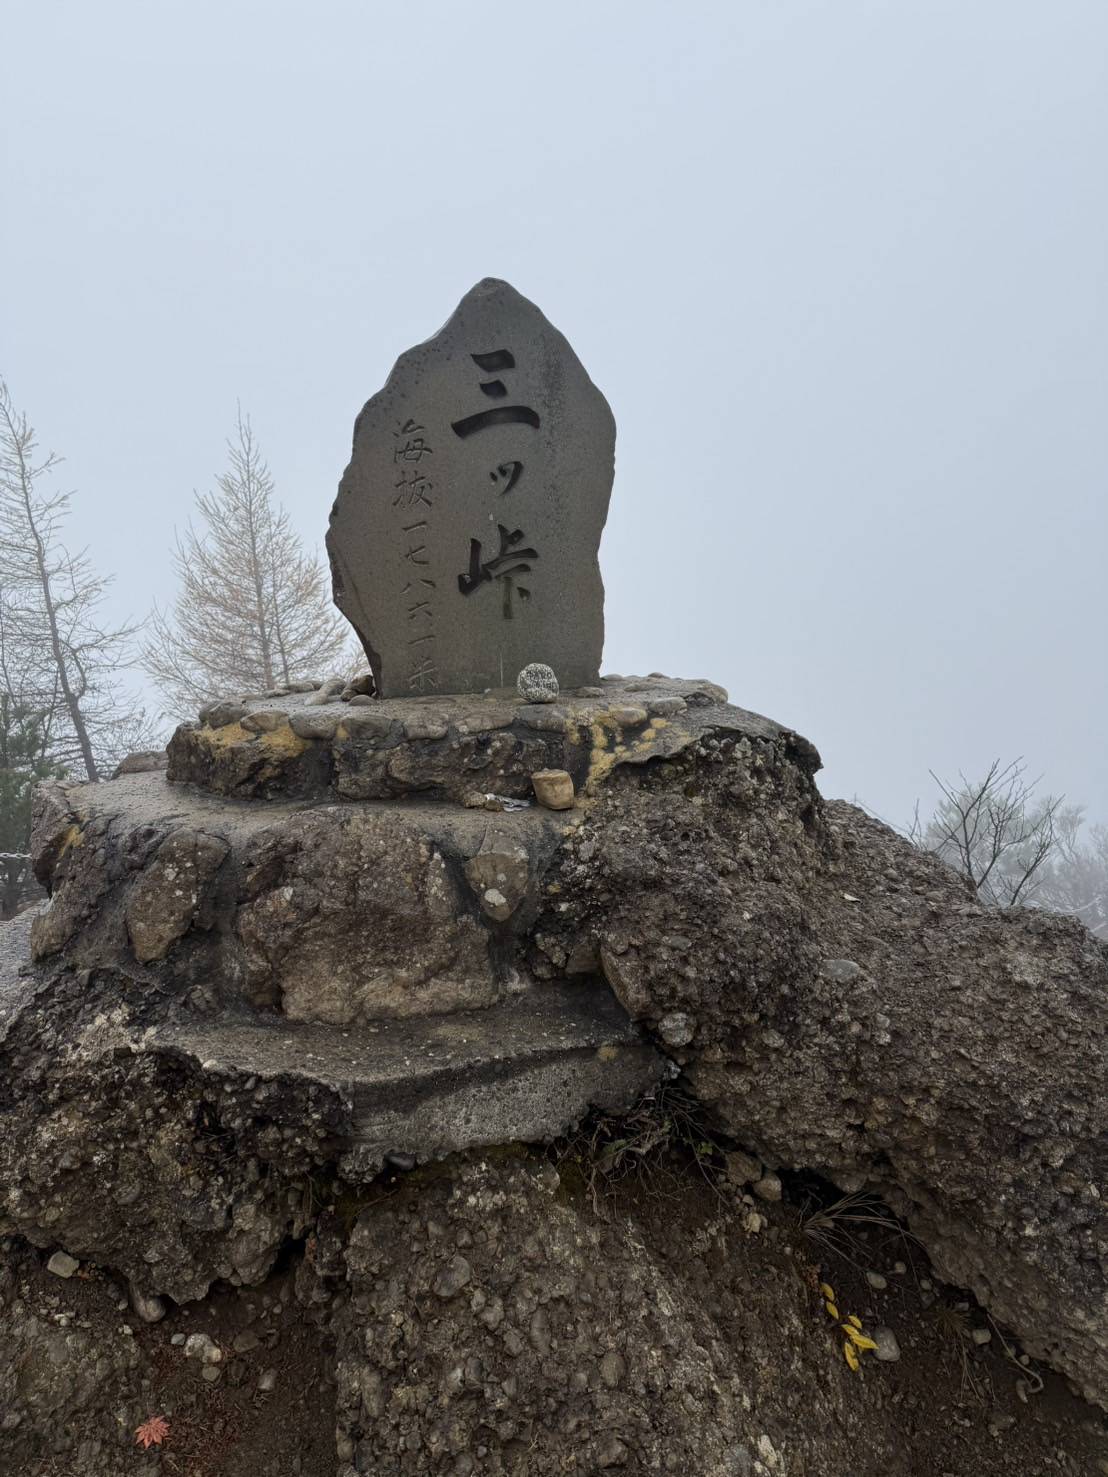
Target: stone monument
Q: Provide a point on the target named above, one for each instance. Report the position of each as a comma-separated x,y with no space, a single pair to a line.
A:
343,935
464,538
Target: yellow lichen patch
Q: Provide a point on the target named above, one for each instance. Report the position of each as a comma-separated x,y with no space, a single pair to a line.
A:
225,737
603,758
607,1053
282,743
645,741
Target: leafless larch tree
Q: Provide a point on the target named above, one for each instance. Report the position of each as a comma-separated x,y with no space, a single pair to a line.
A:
59,658
253,610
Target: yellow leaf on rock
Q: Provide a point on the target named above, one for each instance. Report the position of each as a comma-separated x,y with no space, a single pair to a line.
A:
828,1291
859,1340
849,1355
857,1322
832,1310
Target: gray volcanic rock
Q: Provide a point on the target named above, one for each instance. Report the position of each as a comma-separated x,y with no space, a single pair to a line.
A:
958,1069
479,1317
506,1302
464,538
181,1149
166,900
368,979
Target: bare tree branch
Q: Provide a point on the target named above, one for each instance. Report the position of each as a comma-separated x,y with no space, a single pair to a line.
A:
995,832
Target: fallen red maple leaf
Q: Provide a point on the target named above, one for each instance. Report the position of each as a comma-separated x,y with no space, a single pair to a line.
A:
152,1432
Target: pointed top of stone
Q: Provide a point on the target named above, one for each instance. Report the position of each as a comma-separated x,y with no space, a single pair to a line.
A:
464,538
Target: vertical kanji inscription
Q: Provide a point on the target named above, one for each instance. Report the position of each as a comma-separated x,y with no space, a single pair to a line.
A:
465,535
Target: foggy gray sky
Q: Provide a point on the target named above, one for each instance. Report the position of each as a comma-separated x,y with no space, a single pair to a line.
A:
839,268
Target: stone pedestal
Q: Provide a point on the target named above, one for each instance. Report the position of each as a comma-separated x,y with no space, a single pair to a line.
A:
339,897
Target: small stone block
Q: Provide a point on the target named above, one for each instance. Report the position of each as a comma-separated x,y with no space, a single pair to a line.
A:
544,719
553,788
665,707
425,728
219,715
62,1264
360,723
628,717
314,725
265,720
768,1187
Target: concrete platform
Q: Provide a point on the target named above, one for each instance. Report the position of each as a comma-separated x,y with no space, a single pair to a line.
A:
524,1070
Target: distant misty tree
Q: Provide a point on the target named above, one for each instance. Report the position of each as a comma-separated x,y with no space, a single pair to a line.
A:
59,658
24,763
995,832
1017,849
1075,878
253,609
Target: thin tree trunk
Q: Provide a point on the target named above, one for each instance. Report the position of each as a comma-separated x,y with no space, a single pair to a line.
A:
259,599
72,702
285,674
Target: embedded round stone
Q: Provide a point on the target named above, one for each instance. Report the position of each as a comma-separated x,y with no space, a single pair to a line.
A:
553,788
537,683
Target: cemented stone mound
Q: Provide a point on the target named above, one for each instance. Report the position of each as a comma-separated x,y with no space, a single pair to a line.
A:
446,748
838,998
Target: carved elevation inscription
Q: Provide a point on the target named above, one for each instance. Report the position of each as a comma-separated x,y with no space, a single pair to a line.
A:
464,538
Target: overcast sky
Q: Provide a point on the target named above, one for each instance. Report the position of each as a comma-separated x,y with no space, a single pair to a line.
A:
840,269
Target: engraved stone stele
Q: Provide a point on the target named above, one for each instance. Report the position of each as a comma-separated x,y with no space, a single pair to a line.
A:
464,538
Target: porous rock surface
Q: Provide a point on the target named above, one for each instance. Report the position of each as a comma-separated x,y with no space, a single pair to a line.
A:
486,1316
848,1007
243,1002
517,1336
